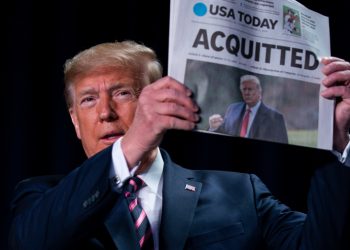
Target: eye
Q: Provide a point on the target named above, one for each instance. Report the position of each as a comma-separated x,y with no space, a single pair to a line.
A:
124,95
87,101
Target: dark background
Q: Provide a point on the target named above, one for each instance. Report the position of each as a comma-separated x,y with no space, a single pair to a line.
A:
37,135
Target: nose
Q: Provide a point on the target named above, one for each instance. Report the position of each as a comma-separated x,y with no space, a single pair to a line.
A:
246,92
106,109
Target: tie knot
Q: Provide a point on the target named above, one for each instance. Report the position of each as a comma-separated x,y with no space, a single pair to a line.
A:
133,184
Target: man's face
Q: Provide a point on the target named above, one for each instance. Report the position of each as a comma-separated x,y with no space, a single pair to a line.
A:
103,108
250,93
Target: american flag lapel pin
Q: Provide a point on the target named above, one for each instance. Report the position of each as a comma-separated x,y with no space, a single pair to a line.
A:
190,188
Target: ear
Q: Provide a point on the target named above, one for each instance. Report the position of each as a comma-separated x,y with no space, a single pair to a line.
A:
75,121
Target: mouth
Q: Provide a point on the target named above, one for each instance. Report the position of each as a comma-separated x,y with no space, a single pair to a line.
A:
110,138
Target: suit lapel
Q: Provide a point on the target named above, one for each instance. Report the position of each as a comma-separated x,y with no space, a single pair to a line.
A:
121,228
179,204
258,121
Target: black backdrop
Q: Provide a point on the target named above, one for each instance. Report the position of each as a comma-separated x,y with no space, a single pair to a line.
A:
37,136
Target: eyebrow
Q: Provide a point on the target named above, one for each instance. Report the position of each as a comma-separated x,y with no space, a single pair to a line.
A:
91,90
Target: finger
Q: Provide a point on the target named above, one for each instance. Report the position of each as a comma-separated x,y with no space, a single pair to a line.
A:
330,59
175,110
338,77
217,119
337,91
214,116
171,95
169,82
335,66
172,122
168,89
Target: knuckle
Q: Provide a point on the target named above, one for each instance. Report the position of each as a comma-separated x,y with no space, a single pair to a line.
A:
168,78
173,93
172,107
171,123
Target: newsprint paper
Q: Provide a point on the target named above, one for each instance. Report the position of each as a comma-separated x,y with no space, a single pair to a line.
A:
217,46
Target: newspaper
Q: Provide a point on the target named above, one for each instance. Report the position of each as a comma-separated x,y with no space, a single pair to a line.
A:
213,43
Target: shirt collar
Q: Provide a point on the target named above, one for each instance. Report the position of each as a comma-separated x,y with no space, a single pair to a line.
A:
255,108
154,173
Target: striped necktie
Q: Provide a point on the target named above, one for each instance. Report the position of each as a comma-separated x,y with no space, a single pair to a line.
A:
142,225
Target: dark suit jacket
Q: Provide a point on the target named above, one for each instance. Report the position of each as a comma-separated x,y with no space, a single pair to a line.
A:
268,124
227,210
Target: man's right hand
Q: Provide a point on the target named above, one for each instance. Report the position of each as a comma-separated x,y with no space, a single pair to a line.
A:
163,105
215,121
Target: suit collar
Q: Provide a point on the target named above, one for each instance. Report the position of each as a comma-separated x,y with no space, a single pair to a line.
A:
179,204
152,176
253,109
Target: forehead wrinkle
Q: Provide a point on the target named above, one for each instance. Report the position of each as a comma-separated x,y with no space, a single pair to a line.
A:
101,87
117,85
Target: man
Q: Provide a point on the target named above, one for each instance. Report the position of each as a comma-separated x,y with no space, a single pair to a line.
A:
121,118
251,118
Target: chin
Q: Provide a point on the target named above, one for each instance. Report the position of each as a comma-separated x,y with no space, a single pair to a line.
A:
106,143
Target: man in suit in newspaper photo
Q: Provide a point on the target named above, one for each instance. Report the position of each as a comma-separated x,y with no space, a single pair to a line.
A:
251,117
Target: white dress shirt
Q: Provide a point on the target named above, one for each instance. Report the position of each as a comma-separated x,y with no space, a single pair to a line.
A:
150,196
345,156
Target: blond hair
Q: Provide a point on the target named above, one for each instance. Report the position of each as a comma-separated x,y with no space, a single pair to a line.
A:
135,58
